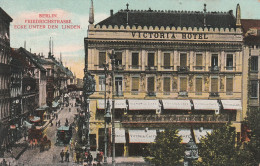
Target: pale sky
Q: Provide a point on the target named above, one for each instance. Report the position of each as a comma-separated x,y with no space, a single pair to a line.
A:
71,42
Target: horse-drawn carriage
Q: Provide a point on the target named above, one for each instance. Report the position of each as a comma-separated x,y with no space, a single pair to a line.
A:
64,134
45,143
35,134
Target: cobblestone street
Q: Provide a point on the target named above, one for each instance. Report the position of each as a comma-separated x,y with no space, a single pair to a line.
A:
51,156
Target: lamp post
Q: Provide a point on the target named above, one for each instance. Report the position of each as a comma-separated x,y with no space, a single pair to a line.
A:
112,56
107,118
191,153
88,89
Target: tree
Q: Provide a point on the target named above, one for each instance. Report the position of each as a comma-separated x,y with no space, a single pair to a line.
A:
167,149
219,148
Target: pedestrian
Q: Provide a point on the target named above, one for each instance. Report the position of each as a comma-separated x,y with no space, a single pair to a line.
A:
77,157
90,158
36,143
67,156
31,143
4,163
59,123
56,123
62,155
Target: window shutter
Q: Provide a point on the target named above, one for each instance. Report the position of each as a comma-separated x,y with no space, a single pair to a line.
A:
198,59
135,83
183,81
166,60
229,84
102,58
166,84
198,85
150,84
214,84
183,60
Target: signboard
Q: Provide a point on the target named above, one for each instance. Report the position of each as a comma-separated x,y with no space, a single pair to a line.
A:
177,104
142,136
120,136
143,104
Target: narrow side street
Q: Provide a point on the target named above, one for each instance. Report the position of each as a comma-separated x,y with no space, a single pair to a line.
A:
51,156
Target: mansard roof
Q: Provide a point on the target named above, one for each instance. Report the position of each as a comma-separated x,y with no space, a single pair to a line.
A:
171,18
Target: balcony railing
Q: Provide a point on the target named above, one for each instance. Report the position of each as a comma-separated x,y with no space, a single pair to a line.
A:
151,94
199,67
183,94
151,68
229,67
134,66
174,118
183,68
168,67
119,67
214,68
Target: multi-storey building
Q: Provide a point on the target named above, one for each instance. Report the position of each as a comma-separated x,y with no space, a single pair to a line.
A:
5,74
172,68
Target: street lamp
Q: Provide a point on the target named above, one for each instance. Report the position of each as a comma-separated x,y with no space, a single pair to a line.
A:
191,153
112,56
107,118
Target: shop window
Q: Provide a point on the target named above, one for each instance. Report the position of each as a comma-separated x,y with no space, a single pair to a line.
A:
135,84
118,84
101,83
93,142
150,59
102,59
229,86
183,84
198,86
254,63
229,64
118,59
253,89
214,85
183,60
166,60
150,85
135,60
166,84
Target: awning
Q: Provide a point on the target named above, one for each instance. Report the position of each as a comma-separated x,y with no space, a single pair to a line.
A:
144,104
201,133
176,104
119,104
64,128
55,104
206,104
35,119
142,136
231,104
120,135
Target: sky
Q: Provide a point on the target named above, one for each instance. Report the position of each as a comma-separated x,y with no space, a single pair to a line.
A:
70,42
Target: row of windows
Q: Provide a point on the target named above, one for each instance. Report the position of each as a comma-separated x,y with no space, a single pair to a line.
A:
167,62
4,81
4,55
169,84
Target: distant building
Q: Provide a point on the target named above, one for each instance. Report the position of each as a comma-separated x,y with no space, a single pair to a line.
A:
5,75
179,68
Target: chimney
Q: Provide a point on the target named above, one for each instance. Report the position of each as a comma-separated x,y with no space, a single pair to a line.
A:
127,10
91,13
205,10
111,12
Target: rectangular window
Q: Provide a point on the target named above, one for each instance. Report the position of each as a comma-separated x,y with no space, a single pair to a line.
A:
183,83
198,59
166,60
229,85
198,85
135,83
102,59
150,59
214,84
119,86
183,60
254,89
150,84
135,59
101,83
214,60
166,84
254,63
118,59
229,62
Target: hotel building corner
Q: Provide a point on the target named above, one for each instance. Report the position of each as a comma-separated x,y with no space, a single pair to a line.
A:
172,68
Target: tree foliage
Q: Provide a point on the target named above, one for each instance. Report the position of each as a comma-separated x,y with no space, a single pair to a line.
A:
167,149
219,148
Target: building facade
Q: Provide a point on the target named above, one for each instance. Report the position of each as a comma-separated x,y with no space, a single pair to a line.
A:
5,75
172,68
